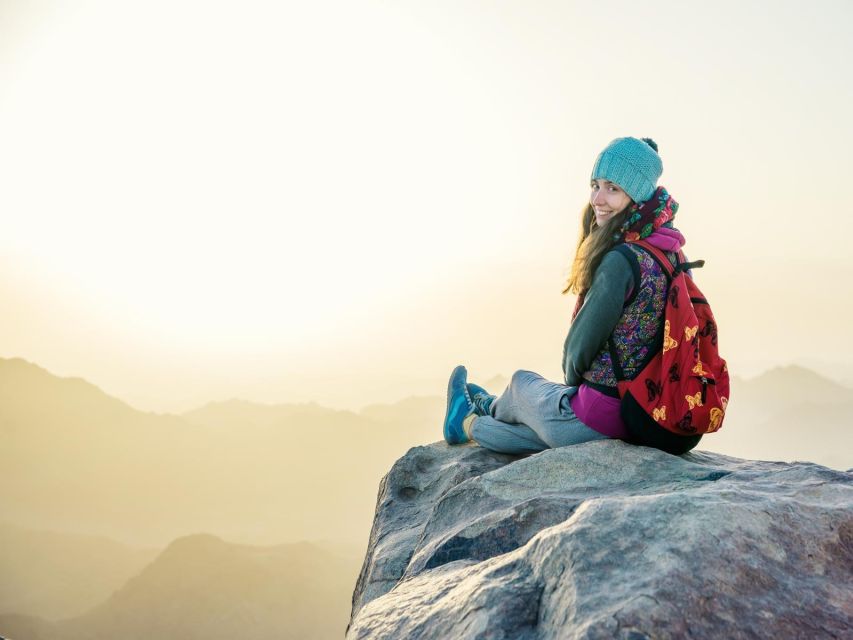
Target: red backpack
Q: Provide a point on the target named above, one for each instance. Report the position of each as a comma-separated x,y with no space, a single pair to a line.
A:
682,392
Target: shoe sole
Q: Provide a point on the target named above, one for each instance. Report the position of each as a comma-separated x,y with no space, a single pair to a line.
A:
458,406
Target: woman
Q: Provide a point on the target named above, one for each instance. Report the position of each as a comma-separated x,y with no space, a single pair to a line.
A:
622,292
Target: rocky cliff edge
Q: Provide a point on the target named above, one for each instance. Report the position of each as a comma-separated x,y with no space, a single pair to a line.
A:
606,540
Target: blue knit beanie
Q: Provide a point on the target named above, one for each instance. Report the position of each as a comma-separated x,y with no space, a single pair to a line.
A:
631,163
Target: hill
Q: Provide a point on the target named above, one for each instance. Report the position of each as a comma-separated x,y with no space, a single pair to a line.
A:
57,575
787,413
201,587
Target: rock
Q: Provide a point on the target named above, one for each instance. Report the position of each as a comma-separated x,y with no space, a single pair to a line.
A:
606,540
406,498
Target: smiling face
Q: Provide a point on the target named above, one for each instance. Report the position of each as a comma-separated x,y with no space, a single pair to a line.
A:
607,199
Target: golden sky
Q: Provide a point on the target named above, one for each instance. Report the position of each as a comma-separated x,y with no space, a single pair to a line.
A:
339,201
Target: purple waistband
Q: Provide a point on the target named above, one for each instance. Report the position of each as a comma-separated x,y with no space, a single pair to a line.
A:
599,411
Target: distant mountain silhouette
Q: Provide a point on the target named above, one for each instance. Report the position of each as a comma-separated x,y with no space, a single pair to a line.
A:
787,413
26,386
76,459
201,587
58,575
792,385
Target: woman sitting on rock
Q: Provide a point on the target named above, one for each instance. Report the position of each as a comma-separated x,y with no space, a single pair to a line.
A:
534,414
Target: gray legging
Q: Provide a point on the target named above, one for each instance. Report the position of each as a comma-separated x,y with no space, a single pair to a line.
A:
533,414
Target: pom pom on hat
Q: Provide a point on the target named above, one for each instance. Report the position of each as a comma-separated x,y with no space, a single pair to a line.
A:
651,143
633,164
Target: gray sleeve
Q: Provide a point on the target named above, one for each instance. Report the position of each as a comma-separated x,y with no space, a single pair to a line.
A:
598,316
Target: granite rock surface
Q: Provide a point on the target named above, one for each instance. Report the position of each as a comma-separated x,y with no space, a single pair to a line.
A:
606,540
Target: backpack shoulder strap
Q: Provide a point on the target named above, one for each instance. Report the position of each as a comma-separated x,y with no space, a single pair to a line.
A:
669,271
628,254
668,268
659,257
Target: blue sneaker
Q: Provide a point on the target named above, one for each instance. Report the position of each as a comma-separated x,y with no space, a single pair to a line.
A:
459,406
480,398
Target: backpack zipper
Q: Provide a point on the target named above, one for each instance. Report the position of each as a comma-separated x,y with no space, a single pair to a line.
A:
705,383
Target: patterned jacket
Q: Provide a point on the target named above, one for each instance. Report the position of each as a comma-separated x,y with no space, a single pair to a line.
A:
615,307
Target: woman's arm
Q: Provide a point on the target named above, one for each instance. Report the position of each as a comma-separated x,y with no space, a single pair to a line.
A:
598,316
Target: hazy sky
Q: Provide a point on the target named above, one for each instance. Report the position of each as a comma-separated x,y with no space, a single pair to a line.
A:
340,201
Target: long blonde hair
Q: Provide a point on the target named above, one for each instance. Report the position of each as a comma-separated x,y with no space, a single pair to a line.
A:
593,243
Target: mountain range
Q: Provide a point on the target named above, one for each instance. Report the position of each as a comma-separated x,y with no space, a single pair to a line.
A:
101,502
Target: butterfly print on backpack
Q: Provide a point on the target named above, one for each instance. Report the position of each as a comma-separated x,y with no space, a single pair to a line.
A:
710,329
716,419
654,388
673,373
685,423
668,341
673,296
694,400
